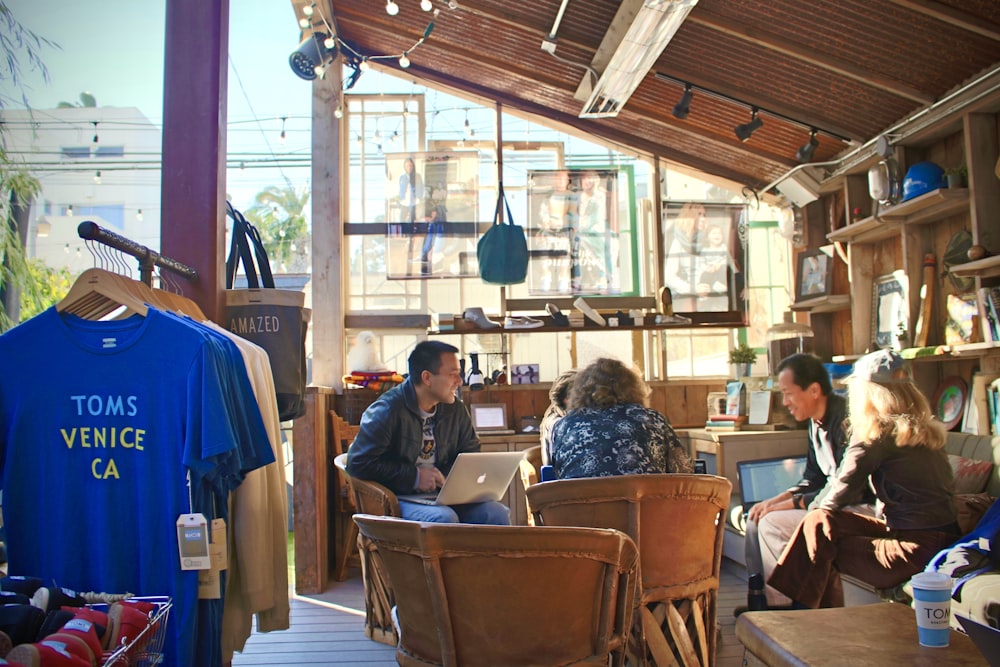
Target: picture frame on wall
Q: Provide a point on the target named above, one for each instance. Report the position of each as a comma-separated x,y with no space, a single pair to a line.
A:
890,311
431,213
813,275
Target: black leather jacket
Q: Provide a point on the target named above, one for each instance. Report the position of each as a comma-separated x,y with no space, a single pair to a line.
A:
391,434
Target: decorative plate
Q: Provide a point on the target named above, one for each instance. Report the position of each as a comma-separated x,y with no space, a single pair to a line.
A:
949,401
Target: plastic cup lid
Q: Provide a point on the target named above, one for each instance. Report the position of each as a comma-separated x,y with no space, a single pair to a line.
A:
931,581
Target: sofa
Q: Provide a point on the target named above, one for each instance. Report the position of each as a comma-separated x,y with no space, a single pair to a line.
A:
976,487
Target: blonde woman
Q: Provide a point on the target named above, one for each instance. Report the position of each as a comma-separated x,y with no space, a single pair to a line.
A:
609,430
898,445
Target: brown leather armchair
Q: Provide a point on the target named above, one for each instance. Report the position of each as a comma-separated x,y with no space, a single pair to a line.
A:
481,596
374,499
531,472
677,522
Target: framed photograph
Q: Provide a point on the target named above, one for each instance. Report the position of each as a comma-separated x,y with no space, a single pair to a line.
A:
704,255
814,275
574,232
431,213
890,311
524,374
488,417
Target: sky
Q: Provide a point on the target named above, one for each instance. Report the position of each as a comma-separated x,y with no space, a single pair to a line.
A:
114,50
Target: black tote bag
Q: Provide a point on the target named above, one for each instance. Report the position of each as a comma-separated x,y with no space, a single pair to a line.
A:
502,251
272,318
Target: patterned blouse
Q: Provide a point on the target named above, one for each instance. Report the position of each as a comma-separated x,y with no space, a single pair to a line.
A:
624,439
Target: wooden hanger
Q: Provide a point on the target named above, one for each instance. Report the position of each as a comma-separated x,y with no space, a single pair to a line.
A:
97,293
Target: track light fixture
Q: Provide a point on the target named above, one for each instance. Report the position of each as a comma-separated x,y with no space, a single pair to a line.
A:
806,151
319,49
312,56
683,106
746,130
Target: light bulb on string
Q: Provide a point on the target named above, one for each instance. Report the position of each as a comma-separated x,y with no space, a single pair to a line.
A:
282,136
338,112
404,61
308,9
69,210
365,65
329,43
97,178
391,8
304,23
138,215
95,131
426,5
320,71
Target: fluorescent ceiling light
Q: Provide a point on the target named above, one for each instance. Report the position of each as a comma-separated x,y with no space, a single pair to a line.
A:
651,30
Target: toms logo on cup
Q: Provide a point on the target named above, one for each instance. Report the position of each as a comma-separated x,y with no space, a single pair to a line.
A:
932,603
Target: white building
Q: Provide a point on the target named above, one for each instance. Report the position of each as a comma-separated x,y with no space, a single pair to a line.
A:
93,163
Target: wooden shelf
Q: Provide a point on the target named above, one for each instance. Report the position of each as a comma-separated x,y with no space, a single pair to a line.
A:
948,352
988,267
867,230
928,207
824,304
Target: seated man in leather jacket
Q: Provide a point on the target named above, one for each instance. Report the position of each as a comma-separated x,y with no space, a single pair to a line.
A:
410,437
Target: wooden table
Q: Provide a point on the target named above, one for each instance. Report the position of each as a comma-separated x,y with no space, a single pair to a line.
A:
874,634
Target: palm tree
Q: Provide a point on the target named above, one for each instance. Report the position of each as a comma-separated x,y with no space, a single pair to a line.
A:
278,214
17,187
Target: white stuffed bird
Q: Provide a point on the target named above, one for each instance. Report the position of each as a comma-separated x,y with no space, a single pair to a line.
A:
363,356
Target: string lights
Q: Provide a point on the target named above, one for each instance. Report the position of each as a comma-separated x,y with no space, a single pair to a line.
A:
320,48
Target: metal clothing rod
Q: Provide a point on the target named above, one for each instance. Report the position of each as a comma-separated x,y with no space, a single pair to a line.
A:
91,231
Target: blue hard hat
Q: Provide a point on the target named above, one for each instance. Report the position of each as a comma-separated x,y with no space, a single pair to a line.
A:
922,177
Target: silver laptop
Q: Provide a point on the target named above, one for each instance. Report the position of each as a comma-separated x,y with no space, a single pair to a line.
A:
476,477
766,478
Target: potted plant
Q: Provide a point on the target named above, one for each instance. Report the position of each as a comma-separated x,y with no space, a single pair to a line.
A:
743,358
955,177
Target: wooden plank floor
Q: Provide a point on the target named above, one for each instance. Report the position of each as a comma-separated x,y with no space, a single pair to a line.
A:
329,629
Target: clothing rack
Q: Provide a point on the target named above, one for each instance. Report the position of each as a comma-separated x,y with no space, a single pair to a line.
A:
148,258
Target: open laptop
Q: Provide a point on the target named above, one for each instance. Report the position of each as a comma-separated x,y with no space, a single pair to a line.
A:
476,477
490,419
986,639
766,478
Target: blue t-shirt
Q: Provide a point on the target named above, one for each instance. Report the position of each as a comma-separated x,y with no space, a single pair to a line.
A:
100,423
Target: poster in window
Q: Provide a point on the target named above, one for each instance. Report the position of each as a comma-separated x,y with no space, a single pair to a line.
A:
704,256
573,232
431,211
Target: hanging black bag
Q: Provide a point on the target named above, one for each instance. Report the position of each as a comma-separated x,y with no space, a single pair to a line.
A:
502,251
272,318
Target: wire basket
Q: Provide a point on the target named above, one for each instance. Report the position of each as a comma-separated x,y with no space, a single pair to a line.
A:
356,401
146,649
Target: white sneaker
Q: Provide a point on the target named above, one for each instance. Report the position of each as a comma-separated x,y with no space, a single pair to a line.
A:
522,323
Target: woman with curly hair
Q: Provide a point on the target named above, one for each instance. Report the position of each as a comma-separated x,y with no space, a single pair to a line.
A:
897,446
609,430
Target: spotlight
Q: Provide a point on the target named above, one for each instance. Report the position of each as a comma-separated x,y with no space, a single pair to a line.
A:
312,54
683,107
746,130
805,152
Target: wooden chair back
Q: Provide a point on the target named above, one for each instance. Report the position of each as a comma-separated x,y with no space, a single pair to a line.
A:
341,498
677,522
373,499
531,473
481,596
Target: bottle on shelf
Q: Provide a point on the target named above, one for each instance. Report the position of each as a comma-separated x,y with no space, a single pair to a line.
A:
787,338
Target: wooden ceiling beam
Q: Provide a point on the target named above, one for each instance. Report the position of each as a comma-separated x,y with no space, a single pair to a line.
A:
807,54
952,16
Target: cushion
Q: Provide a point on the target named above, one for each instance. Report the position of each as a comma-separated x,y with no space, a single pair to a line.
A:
971,476
971,508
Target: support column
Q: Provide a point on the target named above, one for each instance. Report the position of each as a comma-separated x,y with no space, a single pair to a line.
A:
193,186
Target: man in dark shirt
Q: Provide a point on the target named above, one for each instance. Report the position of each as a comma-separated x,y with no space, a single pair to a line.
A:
807,392
410,437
